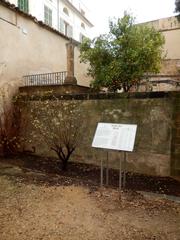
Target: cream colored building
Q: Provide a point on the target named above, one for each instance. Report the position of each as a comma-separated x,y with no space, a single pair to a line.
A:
30,47
170,28
169,77
70,17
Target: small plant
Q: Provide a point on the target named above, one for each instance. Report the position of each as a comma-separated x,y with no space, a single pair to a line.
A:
10,121
59,125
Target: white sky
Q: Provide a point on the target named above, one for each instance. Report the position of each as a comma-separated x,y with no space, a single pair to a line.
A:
142,10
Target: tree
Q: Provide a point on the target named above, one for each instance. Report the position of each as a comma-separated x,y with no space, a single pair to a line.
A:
177,6
177,9
59,124
11,141
119,60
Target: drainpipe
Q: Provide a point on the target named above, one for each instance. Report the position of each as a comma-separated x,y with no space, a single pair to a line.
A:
58,27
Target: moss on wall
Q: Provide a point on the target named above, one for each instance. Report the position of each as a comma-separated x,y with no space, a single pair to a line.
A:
154,115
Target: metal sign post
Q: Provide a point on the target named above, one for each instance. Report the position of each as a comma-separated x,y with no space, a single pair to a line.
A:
120,177
101,173
124,169
119,137
107,169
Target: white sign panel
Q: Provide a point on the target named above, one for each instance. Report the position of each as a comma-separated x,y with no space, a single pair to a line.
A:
115,136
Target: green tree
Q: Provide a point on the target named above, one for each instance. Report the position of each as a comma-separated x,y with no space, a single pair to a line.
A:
177,6
177,9
119,60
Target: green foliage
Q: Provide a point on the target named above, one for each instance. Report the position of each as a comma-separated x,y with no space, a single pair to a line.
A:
177,6
177,9
59,124
119,59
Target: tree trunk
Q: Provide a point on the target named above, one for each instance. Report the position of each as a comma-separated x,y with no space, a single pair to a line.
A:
64,164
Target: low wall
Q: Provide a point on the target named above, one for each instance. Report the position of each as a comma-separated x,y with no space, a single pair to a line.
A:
157,146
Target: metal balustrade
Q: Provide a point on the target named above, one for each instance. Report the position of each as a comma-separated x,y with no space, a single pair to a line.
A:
56,78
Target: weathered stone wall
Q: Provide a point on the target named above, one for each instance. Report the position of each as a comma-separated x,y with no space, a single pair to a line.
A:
153,113
175,147
170,66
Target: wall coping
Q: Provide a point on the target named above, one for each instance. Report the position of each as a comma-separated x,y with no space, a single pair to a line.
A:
99,96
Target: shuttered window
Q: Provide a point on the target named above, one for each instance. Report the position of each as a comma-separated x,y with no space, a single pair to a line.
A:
81,37
65,28
47,16
69,31
23,5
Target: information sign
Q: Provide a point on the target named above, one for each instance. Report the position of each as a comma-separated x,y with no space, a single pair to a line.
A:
115,136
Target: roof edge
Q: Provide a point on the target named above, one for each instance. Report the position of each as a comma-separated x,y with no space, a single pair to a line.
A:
32,18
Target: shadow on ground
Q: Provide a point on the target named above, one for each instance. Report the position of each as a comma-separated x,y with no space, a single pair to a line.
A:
46,171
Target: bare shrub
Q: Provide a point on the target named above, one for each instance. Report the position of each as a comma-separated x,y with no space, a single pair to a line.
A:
59,124
10,122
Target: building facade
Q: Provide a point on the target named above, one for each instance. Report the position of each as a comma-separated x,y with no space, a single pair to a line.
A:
30,47
169,77
69,17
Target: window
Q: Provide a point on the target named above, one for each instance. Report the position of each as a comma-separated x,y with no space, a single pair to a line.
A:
81,37
65,10
66,28
82,12
47,16
23,5
83,25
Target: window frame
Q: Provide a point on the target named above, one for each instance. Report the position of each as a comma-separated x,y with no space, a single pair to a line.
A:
23,5
48,15
66,11
66,28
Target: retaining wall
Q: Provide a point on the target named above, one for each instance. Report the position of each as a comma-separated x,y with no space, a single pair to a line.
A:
157,115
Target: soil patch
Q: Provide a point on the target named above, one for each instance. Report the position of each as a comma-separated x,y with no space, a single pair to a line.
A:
48,171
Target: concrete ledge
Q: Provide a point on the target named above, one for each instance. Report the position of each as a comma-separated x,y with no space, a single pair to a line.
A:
55,90
76,92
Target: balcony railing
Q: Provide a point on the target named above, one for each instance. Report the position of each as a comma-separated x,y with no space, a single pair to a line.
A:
56,78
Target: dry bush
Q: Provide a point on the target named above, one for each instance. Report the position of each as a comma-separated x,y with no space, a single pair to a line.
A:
59,124
11,141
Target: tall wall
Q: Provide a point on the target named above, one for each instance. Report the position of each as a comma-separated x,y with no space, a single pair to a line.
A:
29,47
154,114
170,28
172,40
171,64
175,145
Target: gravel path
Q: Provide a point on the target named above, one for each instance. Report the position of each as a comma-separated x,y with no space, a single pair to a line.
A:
29,211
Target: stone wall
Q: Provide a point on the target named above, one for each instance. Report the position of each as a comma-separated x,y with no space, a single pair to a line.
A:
170,28
175,147
157,143
170,66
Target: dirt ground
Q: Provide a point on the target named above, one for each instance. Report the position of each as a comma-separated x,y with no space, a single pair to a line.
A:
36,210
88,175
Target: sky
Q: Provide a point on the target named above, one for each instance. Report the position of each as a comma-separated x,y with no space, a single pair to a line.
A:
142,10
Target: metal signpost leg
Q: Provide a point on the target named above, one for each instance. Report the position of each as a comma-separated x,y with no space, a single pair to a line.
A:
101,173
124,172
120,176
107,169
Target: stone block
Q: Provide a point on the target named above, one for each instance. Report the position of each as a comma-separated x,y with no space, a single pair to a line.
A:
175,172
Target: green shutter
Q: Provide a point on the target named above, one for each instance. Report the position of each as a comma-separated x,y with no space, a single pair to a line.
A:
62,25
69,31
23,5
47,16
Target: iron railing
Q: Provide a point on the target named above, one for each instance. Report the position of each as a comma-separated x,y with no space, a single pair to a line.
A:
55,78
